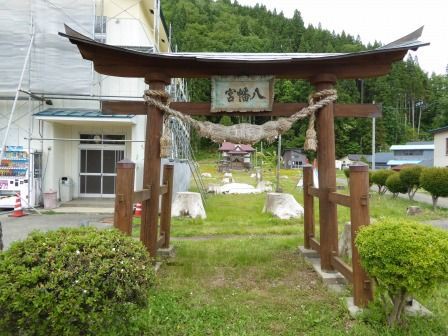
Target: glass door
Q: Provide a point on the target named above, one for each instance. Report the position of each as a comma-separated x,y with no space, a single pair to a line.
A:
98,160
110,159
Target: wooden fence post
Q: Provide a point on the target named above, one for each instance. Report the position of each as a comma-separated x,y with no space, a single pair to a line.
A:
359,216
165,214
308,204
124,191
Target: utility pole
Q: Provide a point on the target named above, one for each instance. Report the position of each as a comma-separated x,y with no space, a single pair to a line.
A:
373,140
419,104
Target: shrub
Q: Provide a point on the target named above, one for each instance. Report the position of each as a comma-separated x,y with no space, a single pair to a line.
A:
347,172
395,186
410,176
379,178
72,282
404,258
435,181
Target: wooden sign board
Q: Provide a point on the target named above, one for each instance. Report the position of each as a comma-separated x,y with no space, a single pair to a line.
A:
242,94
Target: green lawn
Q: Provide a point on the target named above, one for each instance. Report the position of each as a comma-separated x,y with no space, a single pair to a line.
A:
238,273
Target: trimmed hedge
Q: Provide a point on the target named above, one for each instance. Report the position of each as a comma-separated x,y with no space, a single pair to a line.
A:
410,176
379,178
395,186
435,181
404,258
72,282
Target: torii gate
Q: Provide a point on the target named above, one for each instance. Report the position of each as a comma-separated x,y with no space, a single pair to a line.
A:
321,70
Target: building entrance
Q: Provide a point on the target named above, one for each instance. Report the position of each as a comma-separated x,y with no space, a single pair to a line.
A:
99,154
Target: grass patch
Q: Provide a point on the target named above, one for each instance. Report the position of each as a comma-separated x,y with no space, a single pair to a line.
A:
256,286
254,282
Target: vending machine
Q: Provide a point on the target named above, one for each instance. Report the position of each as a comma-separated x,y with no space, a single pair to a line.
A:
20,172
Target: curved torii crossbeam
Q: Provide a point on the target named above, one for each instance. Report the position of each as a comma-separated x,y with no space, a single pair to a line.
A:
116,61
322,70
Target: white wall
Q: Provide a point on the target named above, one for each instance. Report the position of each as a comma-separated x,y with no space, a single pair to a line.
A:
138,149
440,156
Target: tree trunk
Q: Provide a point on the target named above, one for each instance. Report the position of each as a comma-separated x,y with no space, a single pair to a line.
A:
434,201
419,119
411,193
399,302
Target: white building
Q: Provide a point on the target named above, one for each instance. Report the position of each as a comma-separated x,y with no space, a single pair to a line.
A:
57,113
440,147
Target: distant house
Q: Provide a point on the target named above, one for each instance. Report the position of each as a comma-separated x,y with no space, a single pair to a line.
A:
344,162
294,158
440,146
237,157
381,159
421,153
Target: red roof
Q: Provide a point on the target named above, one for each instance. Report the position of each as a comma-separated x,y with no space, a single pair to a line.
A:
228,146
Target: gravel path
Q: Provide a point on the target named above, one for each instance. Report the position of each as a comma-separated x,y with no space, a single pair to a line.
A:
19,228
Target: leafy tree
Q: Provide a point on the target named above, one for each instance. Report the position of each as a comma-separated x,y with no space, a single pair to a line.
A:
244,28
267,158
395,185
435,181
410,176
226,121
403,258
436,109
379,177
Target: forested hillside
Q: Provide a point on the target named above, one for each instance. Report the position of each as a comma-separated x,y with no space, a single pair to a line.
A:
413,102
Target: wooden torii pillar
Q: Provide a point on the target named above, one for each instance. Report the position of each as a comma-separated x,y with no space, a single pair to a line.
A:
326,158
151,168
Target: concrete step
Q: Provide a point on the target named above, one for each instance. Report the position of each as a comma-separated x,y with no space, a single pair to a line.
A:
89,203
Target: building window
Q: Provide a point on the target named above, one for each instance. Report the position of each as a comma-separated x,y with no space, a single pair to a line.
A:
99,139
409,152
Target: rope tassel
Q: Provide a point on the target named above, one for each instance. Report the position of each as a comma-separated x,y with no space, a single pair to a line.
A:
246,133
166,143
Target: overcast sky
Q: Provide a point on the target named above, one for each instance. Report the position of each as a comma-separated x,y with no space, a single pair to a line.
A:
381,20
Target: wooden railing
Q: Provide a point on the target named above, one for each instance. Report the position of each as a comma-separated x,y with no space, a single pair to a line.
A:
125,197
358,202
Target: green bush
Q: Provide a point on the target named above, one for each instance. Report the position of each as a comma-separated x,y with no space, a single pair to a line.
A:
435,181
379,178
395,186
347,172
72,282
410,176
404,258
370,178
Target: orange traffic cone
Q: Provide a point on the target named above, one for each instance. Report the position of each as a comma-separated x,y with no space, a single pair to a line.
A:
138,210
18,211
